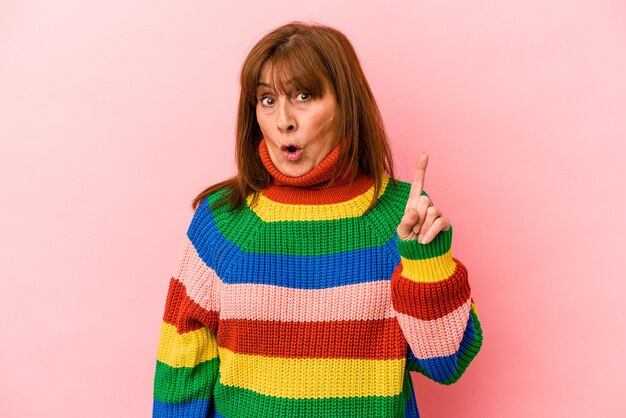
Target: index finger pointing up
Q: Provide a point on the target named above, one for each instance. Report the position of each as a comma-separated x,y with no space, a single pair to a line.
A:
417,185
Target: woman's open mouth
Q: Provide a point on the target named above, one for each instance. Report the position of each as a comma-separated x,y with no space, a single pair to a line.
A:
291,152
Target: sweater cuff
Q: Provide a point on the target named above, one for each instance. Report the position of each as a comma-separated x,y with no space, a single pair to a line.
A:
430,300
430,262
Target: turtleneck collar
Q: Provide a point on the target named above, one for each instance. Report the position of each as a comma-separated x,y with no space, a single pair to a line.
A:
313,188
318,177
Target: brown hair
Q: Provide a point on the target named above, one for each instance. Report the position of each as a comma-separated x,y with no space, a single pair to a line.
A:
313,56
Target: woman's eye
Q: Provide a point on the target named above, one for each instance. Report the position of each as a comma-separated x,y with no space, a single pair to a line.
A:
303,97
266,101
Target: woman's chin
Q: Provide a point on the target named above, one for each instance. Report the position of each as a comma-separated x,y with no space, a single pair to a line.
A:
295,169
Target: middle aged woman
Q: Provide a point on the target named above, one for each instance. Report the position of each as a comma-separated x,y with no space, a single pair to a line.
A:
313,282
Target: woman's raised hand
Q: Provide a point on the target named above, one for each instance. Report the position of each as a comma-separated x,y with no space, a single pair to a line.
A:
421,220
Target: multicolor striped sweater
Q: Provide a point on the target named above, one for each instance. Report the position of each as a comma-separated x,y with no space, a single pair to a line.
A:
306,304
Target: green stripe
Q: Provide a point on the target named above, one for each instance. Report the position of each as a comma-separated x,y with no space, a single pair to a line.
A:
182,384
375,228
234,402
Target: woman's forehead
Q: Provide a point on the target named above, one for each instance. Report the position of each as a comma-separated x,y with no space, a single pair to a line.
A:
284,76
269,76
272,75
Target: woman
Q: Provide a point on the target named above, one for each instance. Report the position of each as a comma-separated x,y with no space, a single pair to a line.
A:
313,282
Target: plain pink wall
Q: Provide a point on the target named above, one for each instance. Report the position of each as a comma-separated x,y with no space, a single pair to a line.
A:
115,114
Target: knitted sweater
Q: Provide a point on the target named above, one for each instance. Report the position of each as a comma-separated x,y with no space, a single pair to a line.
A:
304,304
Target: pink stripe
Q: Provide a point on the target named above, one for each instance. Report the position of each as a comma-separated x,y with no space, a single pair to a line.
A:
371,300
436,337
201,282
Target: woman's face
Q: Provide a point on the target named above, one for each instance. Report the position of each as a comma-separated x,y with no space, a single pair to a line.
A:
299,129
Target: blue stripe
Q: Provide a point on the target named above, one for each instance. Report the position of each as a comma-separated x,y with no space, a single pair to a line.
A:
410,411
189,409
235,266
443,368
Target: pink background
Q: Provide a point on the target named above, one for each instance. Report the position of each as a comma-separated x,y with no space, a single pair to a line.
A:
115,114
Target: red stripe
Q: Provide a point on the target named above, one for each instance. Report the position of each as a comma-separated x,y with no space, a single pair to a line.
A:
430,300
185,314
310,196
376,339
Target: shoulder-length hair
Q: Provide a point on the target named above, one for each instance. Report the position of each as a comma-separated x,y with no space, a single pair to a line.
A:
310,57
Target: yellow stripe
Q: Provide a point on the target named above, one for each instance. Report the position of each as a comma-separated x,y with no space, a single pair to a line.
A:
429,270
188,349
300,378
270,211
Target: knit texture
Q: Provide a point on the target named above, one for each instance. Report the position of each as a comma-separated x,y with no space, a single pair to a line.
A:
305,304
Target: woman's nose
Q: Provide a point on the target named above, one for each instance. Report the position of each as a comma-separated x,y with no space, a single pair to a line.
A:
286,120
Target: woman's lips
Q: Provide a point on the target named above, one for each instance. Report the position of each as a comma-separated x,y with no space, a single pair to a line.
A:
291,152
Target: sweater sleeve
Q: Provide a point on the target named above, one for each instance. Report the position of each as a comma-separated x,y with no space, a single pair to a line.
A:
431,297
187,355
